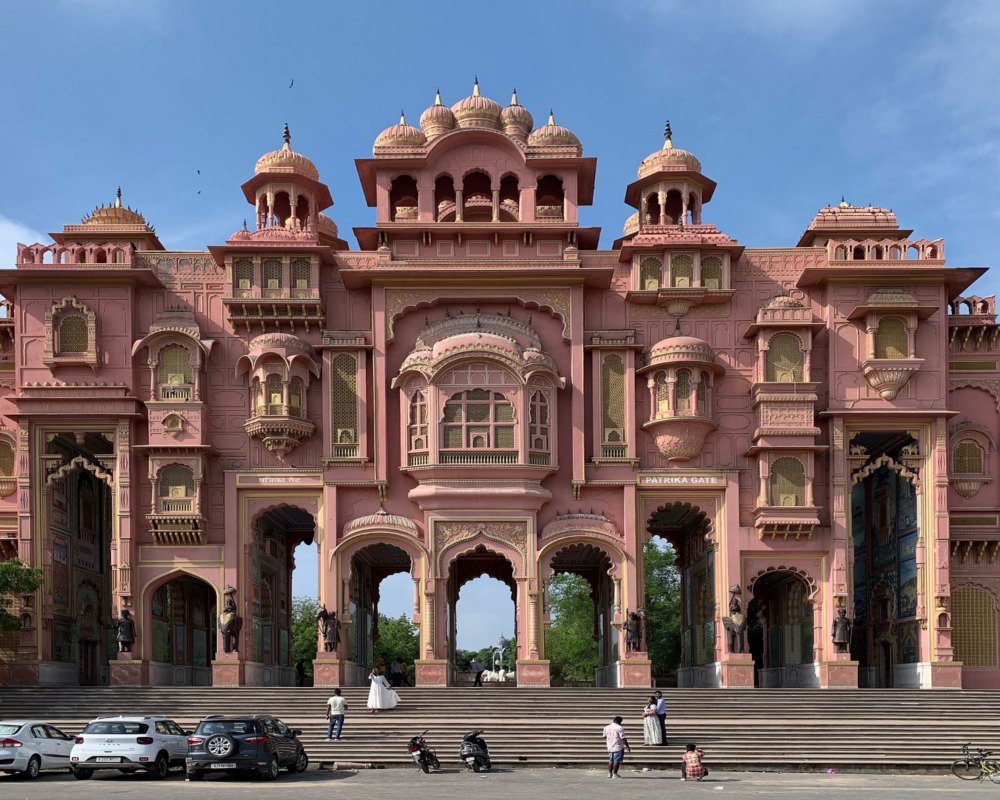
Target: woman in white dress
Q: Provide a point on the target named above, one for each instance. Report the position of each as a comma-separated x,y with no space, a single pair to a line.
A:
381,695
650,724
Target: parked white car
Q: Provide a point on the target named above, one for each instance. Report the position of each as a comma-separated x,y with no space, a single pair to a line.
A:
29,746
129,744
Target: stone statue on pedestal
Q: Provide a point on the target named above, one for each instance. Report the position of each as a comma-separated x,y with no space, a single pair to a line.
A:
842,631
633,632
330,628
230,622
125,627
735,624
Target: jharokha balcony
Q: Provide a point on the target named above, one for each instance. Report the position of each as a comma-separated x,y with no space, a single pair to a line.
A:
176,521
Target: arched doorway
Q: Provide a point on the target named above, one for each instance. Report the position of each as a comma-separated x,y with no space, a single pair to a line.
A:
80,512
481,629
580,642
182,624
277,532
370,567
678,576
781,631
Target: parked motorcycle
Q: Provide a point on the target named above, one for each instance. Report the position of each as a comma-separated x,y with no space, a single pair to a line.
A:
423,756
475,752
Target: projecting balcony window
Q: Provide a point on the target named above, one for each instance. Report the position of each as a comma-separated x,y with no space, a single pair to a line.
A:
175,377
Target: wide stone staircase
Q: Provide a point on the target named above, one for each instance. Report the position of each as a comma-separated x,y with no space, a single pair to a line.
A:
776,728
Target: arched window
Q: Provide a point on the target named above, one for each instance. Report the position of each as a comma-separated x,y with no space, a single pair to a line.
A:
444,198
974,627
301,276
176,490
271,276
859,253
840,253
711,272
296,398
100,256
682,392
662,395
701,395
549,198
417,422
72,335
650,272
273,394
967,458
242,277
783,360
538,422
403,198
174,375
510,199
674,207
282,208
302,212
478,418
653,209
681,272
6,459
477,197
259,403
891,340
344,401
788,480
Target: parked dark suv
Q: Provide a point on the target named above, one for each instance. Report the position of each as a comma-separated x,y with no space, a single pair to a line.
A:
257,742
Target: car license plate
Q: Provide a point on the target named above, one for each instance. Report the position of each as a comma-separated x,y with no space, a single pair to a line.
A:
103,760
223,766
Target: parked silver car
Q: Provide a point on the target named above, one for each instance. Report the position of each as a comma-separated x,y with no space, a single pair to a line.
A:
29,746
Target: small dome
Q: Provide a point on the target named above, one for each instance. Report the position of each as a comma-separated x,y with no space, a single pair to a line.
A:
552,135
517,120
783,301
668,158
437,119
631,225
476,111
327,225
682,350
401,135
890,297
286,160
115,214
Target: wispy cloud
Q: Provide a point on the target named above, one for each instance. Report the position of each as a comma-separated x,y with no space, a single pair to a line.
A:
12,232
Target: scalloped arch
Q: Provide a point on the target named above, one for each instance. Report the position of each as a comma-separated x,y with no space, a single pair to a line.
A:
802,574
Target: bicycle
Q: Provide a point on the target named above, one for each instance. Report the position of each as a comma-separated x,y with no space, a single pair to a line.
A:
976,767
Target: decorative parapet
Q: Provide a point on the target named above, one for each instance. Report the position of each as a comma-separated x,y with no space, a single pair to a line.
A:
380,521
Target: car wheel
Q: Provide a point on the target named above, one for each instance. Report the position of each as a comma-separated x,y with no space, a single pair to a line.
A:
271,773
161,767
220,746
83,774
301,762
195,776
34,767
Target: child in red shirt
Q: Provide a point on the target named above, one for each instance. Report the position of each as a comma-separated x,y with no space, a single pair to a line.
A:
691,766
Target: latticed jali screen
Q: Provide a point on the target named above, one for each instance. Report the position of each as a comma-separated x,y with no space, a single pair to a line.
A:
974,627
711,272
968,459
344,399
242,273
271,273
176,480
649,273
300,273
891,339
613,397
788,482
73,334
681,272
175,365
6,459
783,361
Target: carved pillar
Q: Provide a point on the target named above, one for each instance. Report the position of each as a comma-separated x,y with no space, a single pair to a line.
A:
459,205
496,205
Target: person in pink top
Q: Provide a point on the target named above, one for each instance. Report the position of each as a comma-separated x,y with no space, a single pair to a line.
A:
614,735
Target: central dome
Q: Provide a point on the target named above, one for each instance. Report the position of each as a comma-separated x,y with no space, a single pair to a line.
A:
286,160
668,158
476,111
552,135
437,119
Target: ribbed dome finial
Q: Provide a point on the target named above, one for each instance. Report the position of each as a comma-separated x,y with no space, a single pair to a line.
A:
513,97
552,117
402,117
286,137
475,87
668,136
437,98
118,198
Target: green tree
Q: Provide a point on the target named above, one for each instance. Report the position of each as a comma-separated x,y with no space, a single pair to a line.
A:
397,638
569,641
305,632
663,609
16,579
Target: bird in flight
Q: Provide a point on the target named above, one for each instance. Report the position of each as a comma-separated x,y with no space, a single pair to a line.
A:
292,83
198,171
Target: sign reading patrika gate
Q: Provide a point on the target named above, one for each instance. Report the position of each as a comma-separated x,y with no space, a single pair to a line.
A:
683,479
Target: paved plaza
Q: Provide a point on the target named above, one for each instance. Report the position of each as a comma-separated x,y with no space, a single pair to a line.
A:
503,784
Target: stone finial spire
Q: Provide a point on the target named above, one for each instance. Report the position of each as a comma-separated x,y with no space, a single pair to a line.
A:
118,198
475,87
286,137
402,117
844,203
437,97
668,136
552,117
513,97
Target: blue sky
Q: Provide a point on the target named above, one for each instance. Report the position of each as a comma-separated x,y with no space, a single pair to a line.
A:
789,104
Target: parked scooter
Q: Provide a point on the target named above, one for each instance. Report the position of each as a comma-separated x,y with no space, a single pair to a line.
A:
423,756
475,752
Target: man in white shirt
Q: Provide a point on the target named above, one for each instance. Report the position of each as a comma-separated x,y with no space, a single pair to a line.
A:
661,716
335,708
614,735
